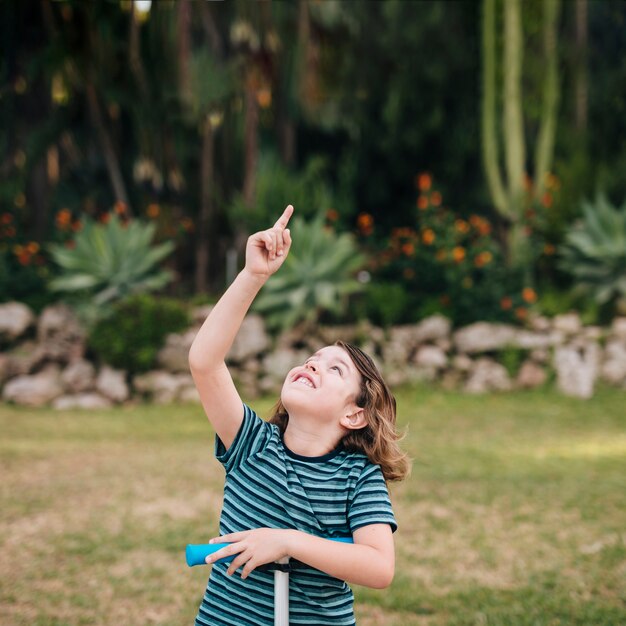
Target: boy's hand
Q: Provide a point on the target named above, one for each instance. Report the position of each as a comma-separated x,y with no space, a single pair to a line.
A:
253,548
267,250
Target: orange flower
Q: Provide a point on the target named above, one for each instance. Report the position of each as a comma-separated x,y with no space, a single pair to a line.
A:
461,225
506,303
105,217
422,202
32,247
187,224
408,249
120,208
6,218
483,258
428,236
441,255
423,181
435,198
549,249
264,97
63,219
153,210
458,253
408,273
484,228
521,313
10,231
77,225
365,220
365,223
529,295
528,182
546,199
332,215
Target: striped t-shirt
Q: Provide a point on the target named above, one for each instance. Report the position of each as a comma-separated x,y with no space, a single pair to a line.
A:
268,486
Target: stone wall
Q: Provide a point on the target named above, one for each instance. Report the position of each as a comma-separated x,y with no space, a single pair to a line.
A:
43,359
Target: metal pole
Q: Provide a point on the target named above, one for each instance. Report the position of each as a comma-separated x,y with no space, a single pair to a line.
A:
281,596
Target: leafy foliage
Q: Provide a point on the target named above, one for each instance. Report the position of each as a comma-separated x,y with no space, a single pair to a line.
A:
132,335
316,277
594,251
111,261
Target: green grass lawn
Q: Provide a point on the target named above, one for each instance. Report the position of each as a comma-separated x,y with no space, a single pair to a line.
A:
515,513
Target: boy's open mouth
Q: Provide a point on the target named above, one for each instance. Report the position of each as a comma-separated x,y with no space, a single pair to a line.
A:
304,379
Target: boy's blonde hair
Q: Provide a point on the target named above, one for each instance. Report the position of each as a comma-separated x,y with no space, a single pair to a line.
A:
379,439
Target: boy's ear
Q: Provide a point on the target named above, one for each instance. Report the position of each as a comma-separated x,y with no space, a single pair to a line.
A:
354,420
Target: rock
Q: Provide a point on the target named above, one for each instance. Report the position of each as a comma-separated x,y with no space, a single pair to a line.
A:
23,359
163,387
431,357
613,369
452,379
328,335
529,340
432,328
444,343
82,401
36,390
531,375
79,375
400,345
278,363
539,323
483,337
15,319
462,362
251,340
189,394
112,384
487,375
568,323
174,356
60,334
618,328
540,356
200,313
592,333
577,369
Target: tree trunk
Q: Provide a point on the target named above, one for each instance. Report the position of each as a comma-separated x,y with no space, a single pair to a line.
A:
106,145
513,123
582,82
251,139
545,144
207,206
491,159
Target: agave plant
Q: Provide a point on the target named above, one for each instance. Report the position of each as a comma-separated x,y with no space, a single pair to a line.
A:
111,261
594,251
317,276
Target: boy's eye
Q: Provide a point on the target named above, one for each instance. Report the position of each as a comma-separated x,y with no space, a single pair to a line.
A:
336,367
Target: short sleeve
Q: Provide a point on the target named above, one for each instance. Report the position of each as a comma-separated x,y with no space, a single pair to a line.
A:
370,503
252,435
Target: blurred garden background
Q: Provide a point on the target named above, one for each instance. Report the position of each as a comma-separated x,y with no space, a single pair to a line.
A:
458,172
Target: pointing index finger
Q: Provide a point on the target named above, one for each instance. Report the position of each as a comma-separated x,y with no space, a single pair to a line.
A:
283,220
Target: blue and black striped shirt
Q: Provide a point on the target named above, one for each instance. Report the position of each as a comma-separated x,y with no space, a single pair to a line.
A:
268,486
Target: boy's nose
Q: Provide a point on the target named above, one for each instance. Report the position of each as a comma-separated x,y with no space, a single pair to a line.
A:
311,366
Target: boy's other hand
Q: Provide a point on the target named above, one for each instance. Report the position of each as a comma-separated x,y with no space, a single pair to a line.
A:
267,250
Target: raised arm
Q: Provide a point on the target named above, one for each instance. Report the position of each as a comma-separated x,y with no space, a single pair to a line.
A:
265,253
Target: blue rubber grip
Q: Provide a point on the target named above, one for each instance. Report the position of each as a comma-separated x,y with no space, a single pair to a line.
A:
197,553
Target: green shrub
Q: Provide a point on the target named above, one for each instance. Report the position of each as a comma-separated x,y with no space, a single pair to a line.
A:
131,336
594,252
384,304
109,262
317,276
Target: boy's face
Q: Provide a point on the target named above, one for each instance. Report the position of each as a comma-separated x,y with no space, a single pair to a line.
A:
326,385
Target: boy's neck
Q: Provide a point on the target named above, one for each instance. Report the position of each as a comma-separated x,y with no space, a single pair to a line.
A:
308,441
